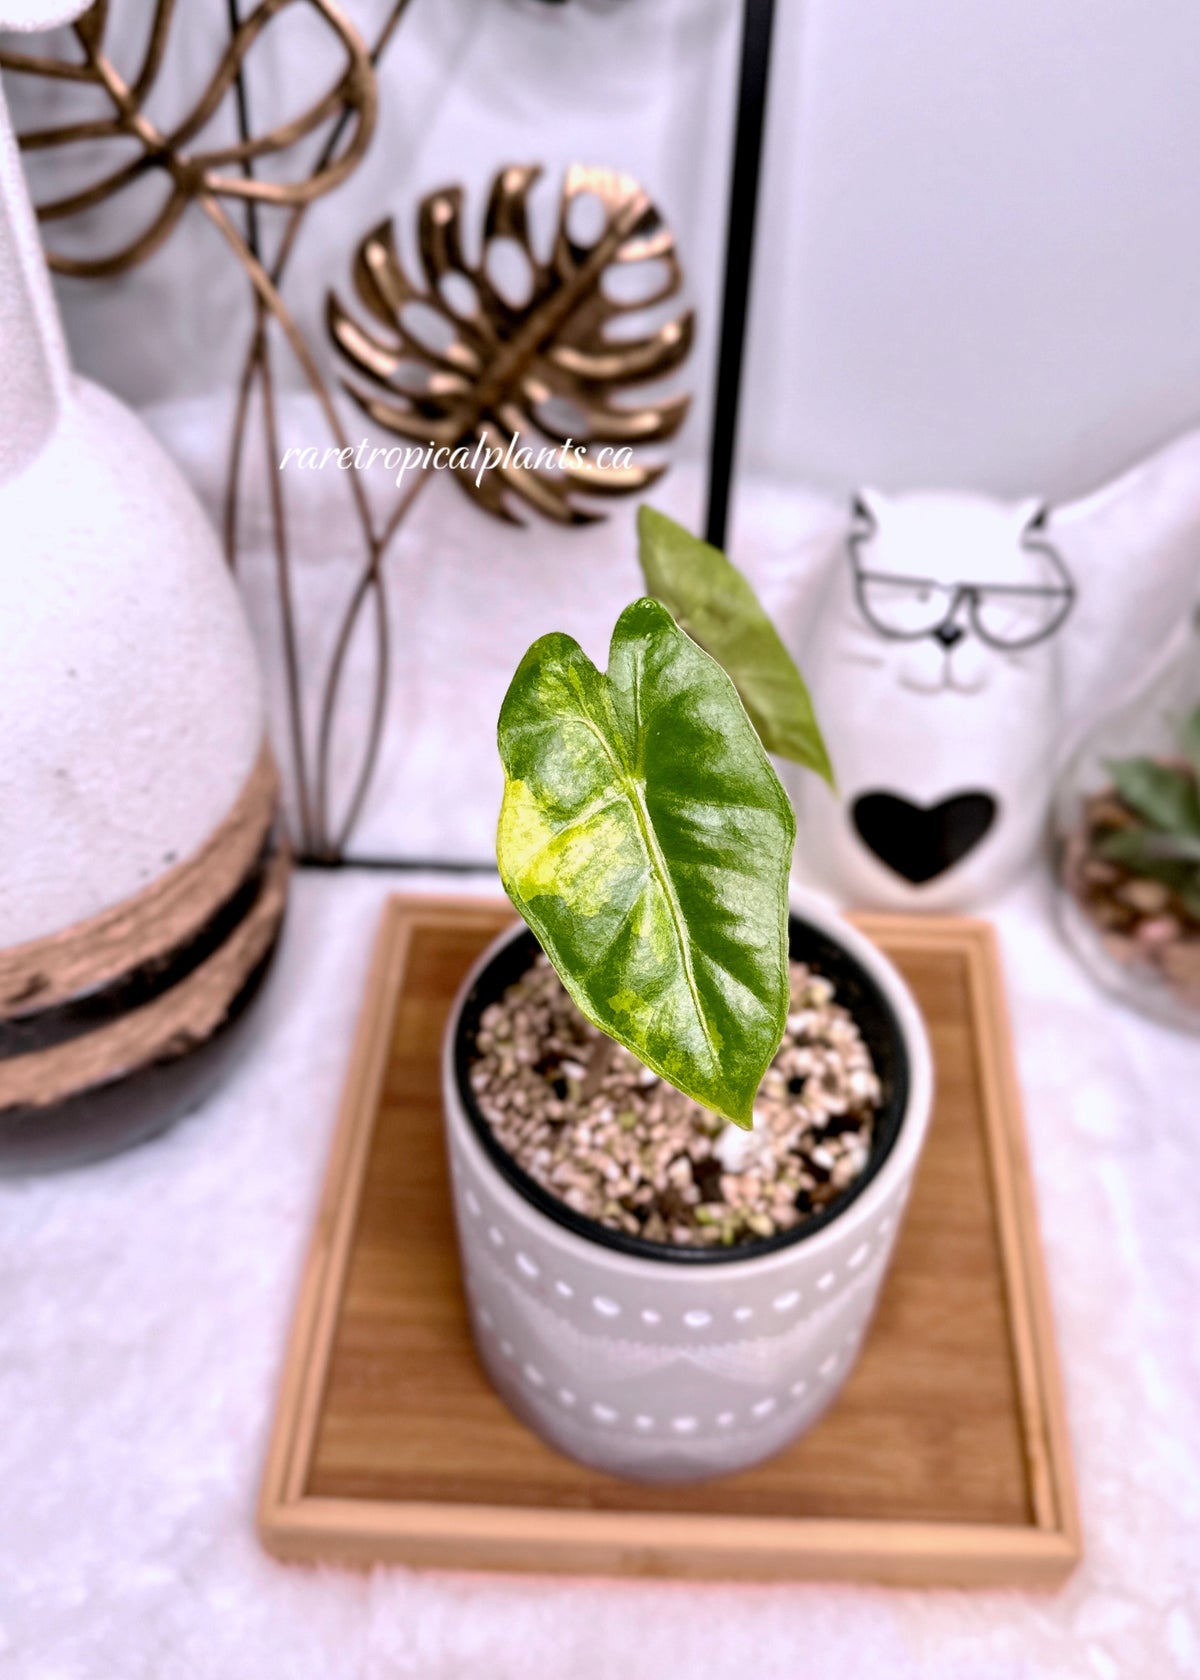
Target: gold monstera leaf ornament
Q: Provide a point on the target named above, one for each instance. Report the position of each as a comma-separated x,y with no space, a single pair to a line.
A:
540,381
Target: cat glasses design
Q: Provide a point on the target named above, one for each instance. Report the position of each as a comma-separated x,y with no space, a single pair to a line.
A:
1005,616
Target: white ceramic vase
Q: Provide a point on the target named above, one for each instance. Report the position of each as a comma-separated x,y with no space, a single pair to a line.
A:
676,1368
141,892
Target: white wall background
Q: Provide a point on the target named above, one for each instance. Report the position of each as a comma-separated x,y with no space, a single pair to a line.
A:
988,216
980,250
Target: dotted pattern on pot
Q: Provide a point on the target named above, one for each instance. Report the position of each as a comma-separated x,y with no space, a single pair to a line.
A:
609,1307
756,1412
699,1369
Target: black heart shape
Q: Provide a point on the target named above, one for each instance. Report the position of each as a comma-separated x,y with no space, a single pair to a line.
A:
921,842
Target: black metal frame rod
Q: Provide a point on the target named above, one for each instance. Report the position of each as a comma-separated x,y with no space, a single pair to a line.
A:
757,25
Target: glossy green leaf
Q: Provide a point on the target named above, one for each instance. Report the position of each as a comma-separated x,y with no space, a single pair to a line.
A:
646,839
710,599
1164,796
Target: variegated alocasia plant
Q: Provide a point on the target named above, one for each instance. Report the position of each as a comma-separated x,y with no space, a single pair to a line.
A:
646,839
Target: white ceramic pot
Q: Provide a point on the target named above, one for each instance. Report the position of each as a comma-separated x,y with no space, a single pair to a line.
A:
665,1365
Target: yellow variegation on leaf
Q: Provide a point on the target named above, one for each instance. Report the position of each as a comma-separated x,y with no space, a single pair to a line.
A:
646,839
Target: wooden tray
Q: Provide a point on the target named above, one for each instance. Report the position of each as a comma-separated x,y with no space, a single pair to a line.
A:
945,1460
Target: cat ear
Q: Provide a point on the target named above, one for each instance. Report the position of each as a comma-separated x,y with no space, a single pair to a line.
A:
1131,546
867,509
1031,514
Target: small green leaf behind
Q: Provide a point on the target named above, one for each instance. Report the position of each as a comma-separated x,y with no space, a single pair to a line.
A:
710,599
1162,795
646,839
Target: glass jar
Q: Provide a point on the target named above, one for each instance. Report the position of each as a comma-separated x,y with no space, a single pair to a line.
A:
1127,841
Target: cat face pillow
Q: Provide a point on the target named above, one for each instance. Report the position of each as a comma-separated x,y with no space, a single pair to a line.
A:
958,642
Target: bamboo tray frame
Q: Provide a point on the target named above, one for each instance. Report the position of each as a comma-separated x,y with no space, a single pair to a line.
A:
358,1475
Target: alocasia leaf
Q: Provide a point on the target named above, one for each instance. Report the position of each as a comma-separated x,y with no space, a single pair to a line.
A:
1164,796
710,599
646,839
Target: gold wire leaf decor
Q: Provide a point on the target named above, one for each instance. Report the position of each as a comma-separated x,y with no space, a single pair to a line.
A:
191,171
551,363
117,146
527,375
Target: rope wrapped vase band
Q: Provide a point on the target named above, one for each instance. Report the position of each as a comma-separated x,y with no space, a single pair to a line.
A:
111,1028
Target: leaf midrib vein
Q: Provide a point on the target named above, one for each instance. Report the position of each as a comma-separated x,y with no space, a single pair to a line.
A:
634,786
650,841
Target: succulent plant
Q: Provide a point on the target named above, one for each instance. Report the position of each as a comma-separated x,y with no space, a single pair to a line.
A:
1154,832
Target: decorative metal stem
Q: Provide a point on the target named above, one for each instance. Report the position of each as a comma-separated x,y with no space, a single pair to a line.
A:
273,303
371,578
510,365
315,842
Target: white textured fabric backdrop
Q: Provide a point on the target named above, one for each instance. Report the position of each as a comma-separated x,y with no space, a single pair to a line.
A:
146,1301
